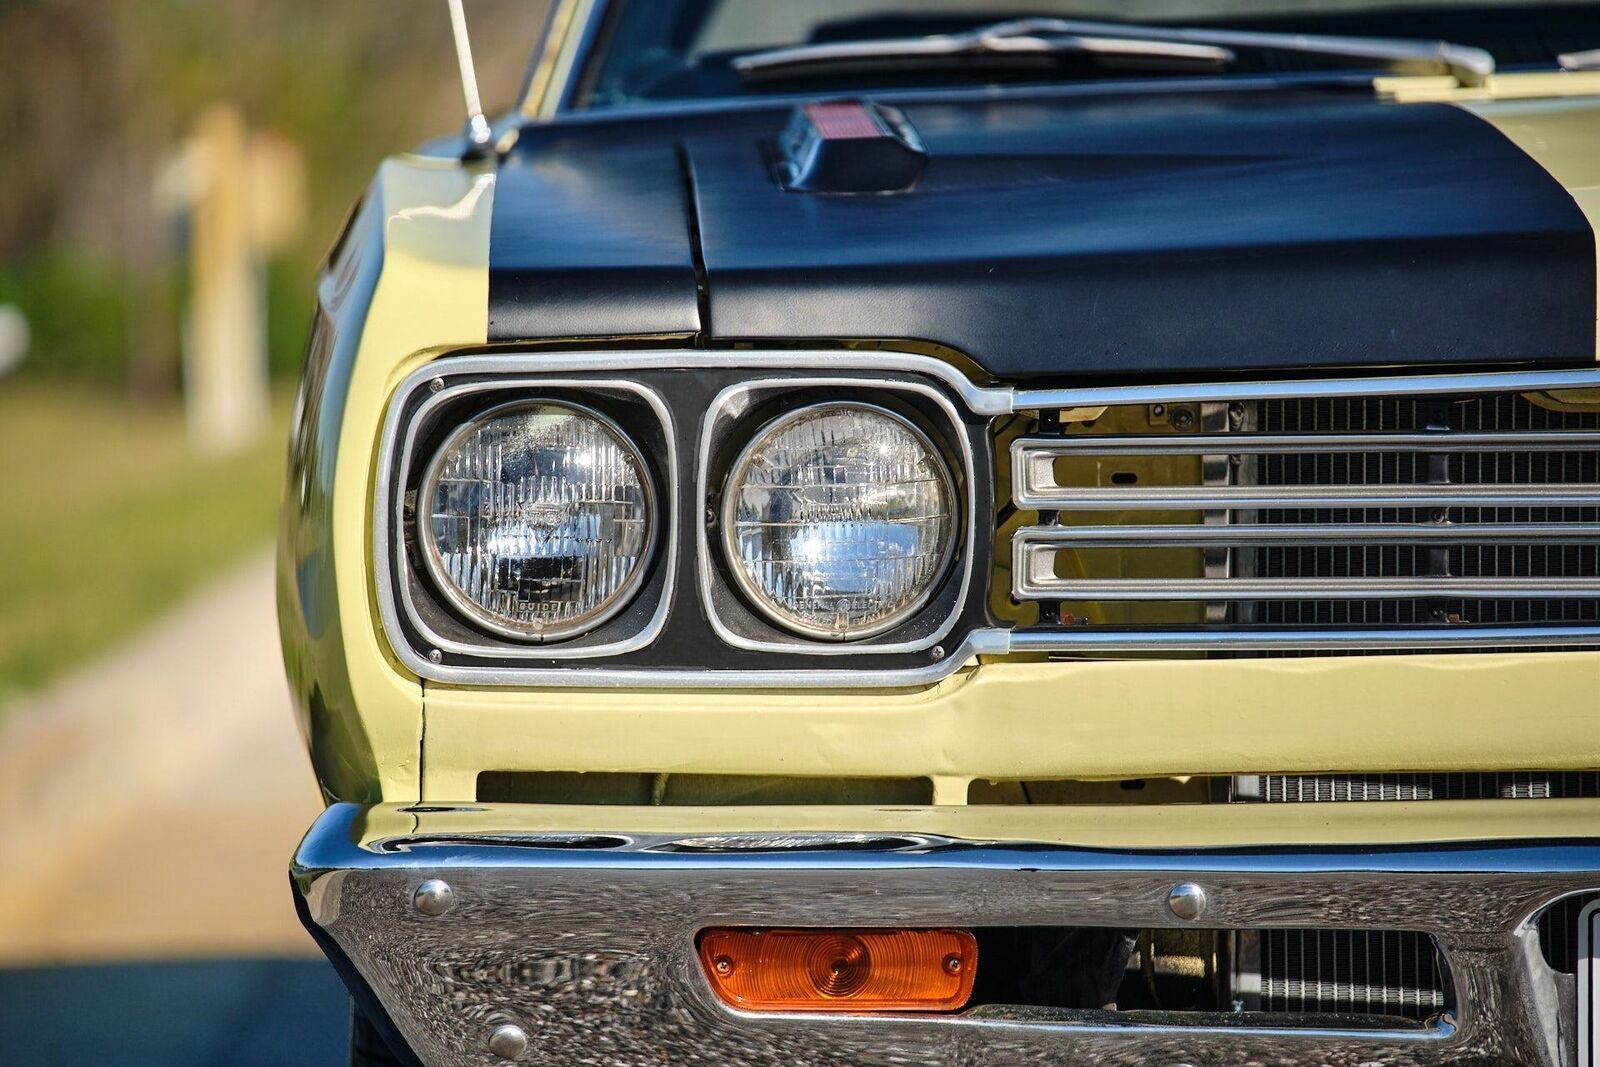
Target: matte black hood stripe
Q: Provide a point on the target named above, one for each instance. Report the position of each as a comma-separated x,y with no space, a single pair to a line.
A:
1146,234
590,238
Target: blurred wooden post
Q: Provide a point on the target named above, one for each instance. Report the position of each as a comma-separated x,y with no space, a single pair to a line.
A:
246,199
225,348
14,338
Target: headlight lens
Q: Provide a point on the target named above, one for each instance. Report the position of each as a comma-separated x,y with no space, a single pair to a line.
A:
839,520
537,519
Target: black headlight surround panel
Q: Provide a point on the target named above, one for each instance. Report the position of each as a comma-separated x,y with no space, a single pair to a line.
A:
667,630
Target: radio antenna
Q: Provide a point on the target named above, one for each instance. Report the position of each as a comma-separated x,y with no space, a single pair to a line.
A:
479,135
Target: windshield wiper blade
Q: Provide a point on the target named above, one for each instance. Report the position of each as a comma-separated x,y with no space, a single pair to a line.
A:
1112,41
981,47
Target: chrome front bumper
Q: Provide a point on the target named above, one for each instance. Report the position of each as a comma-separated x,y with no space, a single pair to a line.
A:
585,944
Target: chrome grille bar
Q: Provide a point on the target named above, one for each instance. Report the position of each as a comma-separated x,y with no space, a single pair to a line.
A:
1410,385
1035,585
1032,540
1195,497
1044,448
1090,640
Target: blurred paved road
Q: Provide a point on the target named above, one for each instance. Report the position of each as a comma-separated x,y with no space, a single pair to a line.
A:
148,809
197,1013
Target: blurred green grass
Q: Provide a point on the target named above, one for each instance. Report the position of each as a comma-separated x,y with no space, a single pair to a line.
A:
107,519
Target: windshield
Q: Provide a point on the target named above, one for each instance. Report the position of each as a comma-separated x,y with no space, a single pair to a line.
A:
684,49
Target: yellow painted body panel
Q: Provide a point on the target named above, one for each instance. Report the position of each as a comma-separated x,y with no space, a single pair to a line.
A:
432,294
1443,89
1564,137
1186,826
1124,719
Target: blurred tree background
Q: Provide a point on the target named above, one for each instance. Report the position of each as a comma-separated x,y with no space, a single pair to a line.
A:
98,96
111,512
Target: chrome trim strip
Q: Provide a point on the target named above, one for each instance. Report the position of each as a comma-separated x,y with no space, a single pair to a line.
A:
1038,582
1090,642
1183,535
1588,996
1254,443
1535,381
796,841
556,89
1005,400
1197,497
571,942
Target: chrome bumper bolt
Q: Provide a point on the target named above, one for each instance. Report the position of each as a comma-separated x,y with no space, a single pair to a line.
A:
433,897
1187,900
508,1042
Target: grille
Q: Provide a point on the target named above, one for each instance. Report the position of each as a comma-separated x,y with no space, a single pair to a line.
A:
1541,556
1558,924
1502,785
1388,972
1373,973
1406,519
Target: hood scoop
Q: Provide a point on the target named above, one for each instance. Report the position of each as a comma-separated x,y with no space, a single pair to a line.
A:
849,146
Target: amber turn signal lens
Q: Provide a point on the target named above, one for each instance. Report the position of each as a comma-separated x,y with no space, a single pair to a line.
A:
841,970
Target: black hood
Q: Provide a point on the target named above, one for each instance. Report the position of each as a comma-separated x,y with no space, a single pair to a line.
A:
1065,234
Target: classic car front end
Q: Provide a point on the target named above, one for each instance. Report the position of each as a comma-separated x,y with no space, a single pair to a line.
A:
881,532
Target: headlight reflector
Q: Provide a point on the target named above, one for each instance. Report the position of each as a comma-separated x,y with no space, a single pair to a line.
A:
839,519
537,519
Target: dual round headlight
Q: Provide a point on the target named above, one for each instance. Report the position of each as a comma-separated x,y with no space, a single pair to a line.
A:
537,520
838,520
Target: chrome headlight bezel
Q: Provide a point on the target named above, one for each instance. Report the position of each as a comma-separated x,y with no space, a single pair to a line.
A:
480,617
759,600
431,635
689,413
